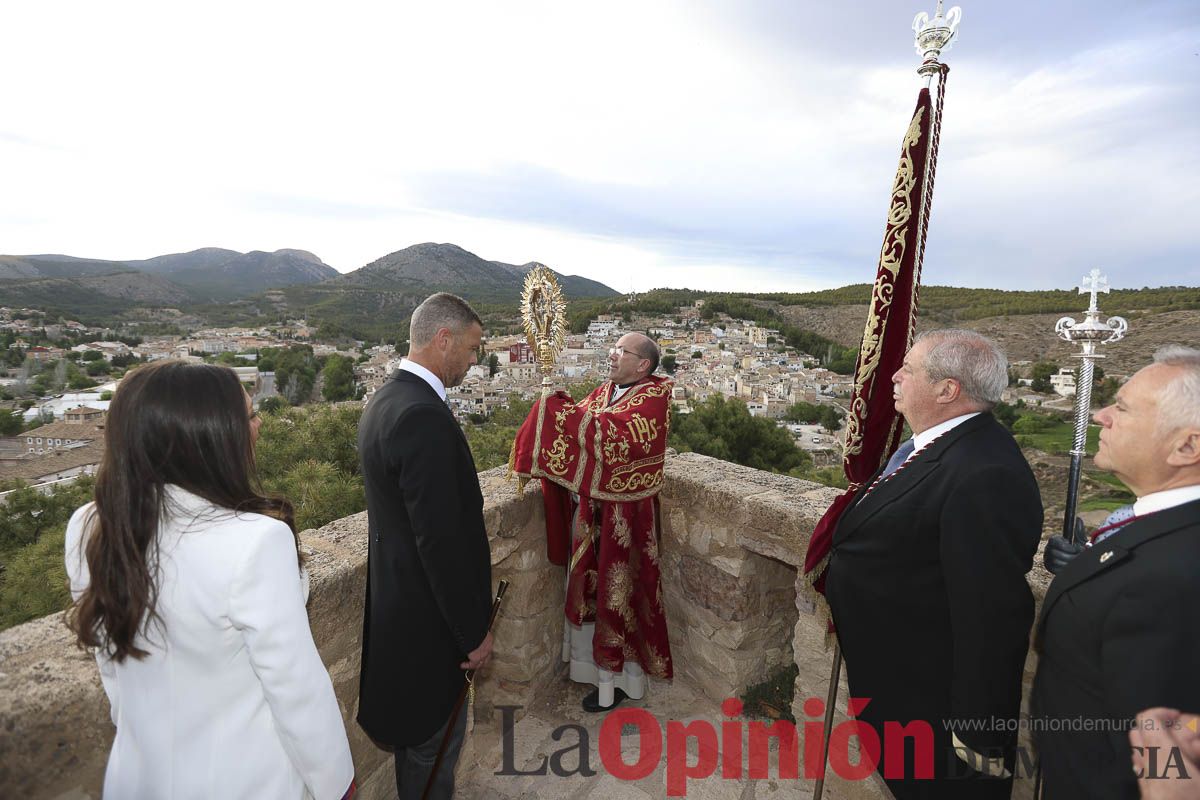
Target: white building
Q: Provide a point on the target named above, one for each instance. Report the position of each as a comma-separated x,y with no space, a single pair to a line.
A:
1063,383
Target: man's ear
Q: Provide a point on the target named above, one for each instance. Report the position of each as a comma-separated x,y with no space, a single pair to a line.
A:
951,390
1185,451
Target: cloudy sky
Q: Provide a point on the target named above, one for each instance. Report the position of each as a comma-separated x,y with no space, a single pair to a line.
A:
710,144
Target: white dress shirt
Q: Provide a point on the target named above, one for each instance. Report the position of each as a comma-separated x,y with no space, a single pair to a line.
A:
425,375
925,438
1161,501
232,699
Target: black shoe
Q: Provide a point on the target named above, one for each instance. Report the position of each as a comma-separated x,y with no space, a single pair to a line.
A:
591,701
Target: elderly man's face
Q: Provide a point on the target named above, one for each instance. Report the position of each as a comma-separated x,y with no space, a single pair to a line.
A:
626,363
912,390
1131,445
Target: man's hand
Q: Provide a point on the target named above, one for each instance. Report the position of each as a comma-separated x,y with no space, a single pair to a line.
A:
1059,552
1164,729
480,655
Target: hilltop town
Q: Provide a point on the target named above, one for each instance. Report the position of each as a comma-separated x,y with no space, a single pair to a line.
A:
60,376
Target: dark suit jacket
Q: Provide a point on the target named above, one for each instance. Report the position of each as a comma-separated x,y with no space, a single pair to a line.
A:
429,564
1118,634
927,587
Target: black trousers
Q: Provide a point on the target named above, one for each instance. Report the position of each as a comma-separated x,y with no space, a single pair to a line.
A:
415,763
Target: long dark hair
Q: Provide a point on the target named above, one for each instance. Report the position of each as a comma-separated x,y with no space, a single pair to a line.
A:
169,423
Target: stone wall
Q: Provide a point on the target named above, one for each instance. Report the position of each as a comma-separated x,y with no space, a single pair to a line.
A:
55,730
730,612
731,543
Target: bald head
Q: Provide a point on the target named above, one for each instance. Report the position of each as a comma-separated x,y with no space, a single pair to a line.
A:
636,357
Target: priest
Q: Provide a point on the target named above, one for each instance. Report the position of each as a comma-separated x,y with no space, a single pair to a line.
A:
601,465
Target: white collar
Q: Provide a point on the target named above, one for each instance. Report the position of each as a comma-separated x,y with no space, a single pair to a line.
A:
1169,498
425,375
923,439
617,392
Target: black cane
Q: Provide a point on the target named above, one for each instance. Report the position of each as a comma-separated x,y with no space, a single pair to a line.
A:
834,676
462,695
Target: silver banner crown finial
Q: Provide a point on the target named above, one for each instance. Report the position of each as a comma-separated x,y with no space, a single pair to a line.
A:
935,35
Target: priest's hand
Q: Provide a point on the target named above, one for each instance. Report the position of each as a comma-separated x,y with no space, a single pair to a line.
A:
1059,552
480,655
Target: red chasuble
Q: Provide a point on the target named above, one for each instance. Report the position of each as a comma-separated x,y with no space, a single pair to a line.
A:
612,457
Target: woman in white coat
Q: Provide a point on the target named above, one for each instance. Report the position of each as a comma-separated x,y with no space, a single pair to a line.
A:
188,585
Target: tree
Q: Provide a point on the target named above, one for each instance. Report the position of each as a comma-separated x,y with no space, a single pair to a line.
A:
321,433
668,364
320,493
11,422
831,418
493,363
724,429
295,373
273,404
1033,423
697,354
92,355
1005,414
807,413
339,378
35,581
1042,371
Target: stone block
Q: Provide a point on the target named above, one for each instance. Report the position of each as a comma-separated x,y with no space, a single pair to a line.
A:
709,587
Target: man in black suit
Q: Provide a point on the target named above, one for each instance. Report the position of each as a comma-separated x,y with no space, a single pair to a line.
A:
429,563
1118,632
926,578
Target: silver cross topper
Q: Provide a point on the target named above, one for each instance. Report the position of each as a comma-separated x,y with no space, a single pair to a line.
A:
1093,284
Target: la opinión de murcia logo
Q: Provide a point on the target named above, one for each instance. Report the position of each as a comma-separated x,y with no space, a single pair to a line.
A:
719,748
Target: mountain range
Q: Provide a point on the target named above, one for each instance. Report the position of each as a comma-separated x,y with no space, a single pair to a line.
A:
210,273
86,287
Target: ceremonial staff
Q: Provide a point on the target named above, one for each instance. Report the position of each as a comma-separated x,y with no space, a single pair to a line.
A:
873,427
468,689
1088,334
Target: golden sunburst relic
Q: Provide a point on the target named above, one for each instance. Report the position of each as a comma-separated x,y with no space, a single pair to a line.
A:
544,314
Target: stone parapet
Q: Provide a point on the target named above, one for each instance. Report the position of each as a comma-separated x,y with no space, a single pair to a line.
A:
729,553
732,538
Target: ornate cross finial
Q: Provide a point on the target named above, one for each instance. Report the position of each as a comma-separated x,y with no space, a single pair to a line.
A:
1093,284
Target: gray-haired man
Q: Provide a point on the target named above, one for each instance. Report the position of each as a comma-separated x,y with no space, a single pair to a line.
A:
1115,631
927,578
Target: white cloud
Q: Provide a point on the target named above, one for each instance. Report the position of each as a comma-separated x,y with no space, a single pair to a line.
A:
659,143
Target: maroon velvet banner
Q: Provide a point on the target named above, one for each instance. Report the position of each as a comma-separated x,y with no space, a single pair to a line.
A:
873,426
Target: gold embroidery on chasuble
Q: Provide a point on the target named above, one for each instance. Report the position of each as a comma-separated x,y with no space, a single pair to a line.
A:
644,431
558,458
621,532
608,636
616,447
651,549
655,664
618,593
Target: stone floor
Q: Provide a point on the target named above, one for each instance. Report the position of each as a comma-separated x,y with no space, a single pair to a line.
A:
534,743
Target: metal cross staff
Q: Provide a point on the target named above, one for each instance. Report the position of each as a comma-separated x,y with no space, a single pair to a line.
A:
1088,334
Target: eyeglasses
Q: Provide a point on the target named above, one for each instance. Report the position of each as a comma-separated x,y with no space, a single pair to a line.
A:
621,351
